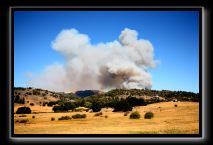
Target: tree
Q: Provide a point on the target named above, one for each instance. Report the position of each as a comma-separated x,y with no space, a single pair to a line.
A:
122,105
23,110
96,107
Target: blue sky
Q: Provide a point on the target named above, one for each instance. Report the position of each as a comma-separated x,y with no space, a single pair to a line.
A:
174,35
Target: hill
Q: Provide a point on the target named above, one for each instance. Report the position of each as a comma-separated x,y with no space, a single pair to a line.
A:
35,96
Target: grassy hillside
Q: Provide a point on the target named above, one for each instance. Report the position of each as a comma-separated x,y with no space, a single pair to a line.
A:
168,119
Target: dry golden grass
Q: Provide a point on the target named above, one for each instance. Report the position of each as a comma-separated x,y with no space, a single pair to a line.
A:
168,119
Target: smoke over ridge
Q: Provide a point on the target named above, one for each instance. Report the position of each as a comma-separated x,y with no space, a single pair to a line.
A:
123,63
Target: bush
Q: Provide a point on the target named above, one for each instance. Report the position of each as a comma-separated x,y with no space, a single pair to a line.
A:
98,114
23,110
31,104
175,105
148,115
52,118
33,116
80,109
23,115
79,116
135,115
106,116
65,118
23,121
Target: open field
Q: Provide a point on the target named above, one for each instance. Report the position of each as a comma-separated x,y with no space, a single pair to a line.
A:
168,119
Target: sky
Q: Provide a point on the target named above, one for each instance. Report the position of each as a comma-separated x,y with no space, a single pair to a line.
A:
174,36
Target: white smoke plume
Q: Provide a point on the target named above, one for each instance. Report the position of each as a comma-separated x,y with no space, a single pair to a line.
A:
118,64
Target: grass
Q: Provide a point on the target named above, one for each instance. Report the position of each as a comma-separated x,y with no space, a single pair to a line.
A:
144,132
170,120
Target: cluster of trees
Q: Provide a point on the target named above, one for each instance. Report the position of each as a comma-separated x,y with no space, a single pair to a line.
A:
180,95
96,103
36,92
66,106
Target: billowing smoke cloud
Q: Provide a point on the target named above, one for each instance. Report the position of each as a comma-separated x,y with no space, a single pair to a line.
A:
104,66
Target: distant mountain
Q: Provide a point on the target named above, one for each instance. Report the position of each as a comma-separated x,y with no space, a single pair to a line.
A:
86,93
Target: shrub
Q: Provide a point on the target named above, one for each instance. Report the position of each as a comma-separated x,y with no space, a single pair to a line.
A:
106,116
31,104
23,110
33,116
135,115
148,115
23,121
23,115
80,109
79,116
65,118
98,114
175,105
52,118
